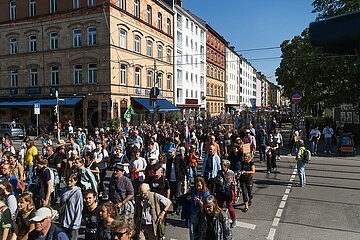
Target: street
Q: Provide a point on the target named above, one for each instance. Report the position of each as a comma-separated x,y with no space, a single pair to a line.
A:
328,207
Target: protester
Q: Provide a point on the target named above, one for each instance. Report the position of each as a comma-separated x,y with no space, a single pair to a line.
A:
108,214
210,168
300,164
247,170
45,229
314,139
211,222
72,203
123,228
26,211
91,215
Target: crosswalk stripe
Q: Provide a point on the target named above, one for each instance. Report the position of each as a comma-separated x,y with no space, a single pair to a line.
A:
245,225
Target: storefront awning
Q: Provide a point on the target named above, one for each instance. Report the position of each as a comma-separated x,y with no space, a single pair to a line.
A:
62,102
14,103
11,103
164,105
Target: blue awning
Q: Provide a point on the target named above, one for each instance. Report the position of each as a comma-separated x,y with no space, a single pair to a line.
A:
62,101
18,103
164,105
13,103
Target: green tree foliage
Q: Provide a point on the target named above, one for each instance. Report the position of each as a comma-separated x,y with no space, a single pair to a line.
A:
328,79
329,8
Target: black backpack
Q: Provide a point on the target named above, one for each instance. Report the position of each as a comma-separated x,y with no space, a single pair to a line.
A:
307,156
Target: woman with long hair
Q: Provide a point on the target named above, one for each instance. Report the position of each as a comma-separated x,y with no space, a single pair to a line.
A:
26,211
211,223
247,170
108,214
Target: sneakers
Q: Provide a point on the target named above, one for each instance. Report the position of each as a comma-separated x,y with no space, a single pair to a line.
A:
233,224
268,172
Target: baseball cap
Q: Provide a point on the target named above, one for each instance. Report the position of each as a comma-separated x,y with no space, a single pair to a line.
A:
172,150
247,131
41,214
79,129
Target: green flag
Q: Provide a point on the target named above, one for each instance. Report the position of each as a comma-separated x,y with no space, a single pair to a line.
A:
129,111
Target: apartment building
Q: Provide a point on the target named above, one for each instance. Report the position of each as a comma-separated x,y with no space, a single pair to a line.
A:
247,83
232,81
98,55
189,62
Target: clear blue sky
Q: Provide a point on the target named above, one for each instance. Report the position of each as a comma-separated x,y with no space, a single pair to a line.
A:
253,24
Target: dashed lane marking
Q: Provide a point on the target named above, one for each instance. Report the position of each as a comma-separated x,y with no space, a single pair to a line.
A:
271,234
245,225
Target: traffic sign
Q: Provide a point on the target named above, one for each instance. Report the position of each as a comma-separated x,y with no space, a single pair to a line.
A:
296,98
37,108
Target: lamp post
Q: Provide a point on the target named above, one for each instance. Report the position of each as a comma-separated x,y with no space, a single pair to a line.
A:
57,115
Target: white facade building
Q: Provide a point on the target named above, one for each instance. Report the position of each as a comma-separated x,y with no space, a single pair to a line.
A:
189,62
247,83
232,81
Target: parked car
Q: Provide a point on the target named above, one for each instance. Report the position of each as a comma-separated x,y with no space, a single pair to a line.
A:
12,130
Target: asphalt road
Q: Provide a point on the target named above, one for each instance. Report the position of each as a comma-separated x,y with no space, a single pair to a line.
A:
328,207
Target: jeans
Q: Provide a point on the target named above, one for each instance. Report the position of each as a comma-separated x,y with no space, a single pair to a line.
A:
30,169
102,178
327,144
246,185
175,192
314,145
301,172
262,153
192,172
229,207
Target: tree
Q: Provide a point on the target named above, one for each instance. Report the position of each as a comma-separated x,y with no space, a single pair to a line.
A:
328,79
329,8
325,79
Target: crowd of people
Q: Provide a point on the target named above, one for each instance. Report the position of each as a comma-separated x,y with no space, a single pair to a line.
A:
154,172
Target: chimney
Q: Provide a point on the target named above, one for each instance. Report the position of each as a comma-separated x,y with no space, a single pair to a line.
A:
179,2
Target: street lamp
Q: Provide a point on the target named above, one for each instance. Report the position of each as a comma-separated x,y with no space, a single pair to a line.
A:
57,115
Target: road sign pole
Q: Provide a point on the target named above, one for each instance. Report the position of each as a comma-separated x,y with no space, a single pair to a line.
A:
37,125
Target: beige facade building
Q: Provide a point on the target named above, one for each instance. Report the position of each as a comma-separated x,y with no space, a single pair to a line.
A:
98,55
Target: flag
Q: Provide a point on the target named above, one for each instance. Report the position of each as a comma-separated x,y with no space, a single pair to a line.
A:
128,113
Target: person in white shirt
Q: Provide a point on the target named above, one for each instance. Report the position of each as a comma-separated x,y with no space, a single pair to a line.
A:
328,132
279,140
314,139
138,166
101,158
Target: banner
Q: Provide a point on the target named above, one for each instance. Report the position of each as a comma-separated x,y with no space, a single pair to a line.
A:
128,113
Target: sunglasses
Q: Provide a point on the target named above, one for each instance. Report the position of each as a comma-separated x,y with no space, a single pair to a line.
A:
119,234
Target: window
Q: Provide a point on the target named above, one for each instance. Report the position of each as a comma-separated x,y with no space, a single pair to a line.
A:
137,44
90,3
54,75
123,74
187,41
92,74
187,23
13,10
32,8
14,78
77,38
122,4
179,77
91,36
149,14
159,79
137,76
168,82
32,43
33,77
13,46
159,21
77,74
149,48
149,79
187,93
179,39
168,26
76,3
196,30
122,38
179,58
53,6
136,8
53,40
160,52
179,21
168,55
192,27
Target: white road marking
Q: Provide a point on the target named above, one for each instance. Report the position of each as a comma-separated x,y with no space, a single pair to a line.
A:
245,225
279,212
287,191
271,234
285,197
282,204
276,222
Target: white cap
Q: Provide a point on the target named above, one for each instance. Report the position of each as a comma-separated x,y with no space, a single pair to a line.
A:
41,214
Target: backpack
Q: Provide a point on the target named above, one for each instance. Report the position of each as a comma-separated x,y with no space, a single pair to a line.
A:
307,156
